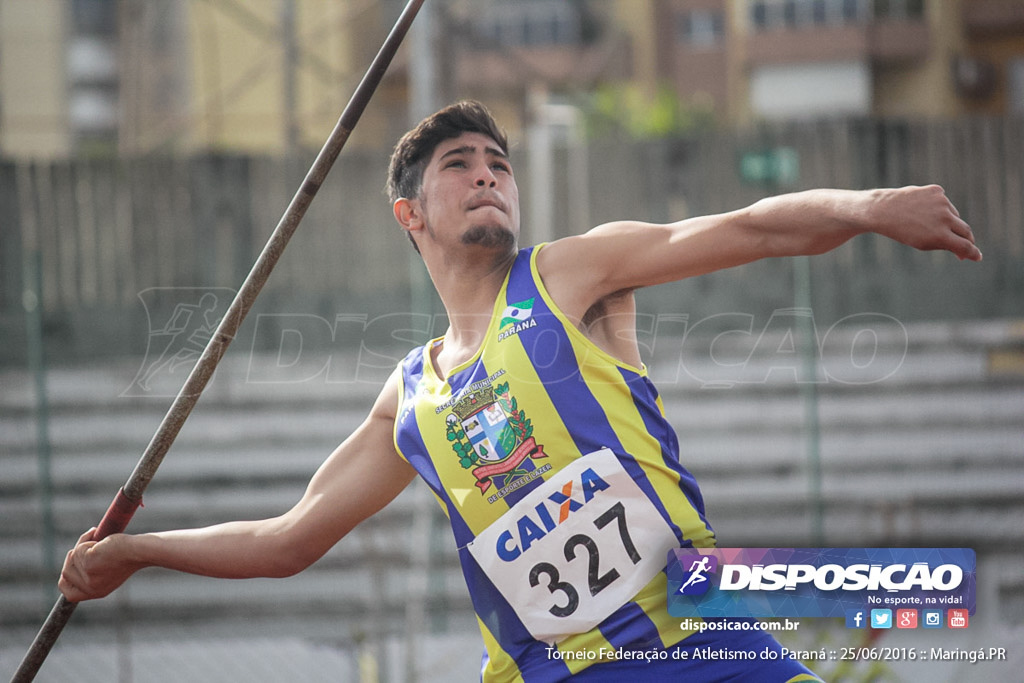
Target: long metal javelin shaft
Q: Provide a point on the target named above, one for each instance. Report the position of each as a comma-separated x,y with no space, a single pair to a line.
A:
129,497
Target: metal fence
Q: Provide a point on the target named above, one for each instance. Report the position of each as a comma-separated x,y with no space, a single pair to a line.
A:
101,232
107,237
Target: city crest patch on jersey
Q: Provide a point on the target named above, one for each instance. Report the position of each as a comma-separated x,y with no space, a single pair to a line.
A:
493,439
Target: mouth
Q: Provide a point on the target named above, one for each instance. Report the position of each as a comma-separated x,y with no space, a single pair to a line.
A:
485,202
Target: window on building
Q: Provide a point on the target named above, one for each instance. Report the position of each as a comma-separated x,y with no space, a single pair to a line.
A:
852,11
759,14
532,23
897,9
819,12
92,73
790,13
701,28
1015,87
94,17
771,14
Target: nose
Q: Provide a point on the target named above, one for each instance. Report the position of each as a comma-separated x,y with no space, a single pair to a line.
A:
485,178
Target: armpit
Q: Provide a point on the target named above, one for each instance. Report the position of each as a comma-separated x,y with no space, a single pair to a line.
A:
611,325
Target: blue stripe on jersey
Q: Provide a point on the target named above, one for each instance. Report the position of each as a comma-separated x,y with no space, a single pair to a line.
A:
630,627
410,443
457,381
575,403
644,394
517,495
497,615
460,529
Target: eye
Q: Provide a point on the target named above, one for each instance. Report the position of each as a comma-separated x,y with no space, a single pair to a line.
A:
501,166
456,163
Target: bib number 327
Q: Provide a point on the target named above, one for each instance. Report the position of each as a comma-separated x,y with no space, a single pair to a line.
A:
576,548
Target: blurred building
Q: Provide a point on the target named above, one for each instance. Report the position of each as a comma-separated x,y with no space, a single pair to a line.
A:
782,59
58,76
267,76
136,77
990,71
272,75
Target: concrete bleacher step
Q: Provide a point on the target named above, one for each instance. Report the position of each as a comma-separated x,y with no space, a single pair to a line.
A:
210,427
932,455
986,531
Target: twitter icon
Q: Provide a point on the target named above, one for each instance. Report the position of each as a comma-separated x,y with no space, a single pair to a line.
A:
881,618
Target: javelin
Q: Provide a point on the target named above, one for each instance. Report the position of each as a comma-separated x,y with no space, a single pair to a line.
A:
129,497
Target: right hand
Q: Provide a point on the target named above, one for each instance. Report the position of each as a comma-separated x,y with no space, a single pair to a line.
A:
93,569
924,218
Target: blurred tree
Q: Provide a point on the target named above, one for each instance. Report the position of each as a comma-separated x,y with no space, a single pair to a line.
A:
627,107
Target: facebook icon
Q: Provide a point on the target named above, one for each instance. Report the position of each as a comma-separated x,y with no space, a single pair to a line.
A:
856,618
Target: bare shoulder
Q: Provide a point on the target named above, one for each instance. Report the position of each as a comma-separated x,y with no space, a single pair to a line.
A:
364,472
371,446
578,274
385,407
579,271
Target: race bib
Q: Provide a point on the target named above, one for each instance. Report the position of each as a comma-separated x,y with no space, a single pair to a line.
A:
576,548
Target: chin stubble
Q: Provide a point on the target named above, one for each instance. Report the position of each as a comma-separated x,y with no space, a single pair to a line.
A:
488,236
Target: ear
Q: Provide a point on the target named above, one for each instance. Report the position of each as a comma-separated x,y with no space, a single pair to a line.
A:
407,213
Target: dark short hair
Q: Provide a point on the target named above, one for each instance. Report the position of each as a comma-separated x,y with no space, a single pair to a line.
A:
414,149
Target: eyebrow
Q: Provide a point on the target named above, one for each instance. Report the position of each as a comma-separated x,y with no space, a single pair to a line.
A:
470,149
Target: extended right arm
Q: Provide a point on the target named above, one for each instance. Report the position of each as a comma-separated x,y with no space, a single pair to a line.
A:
359,478
626,255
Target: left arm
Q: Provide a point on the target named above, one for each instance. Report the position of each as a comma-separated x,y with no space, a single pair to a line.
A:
582,270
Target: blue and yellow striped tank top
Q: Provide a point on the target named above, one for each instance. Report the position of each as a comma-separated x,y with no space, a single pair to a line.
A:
561,479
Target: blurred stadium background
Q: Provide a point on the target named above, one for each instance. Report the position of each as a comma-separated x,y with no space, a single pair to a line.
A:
148,149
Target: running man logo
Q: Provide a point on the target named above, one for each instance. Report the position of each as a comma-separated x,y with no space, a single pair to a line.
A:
182,320
560,505
697,568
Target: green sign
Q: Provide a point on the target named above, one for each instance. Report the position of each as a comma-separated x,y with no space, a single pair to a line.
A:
779,166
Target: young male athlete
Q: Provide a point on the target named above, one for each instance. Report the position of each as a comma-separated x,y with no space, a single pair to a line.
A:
533,421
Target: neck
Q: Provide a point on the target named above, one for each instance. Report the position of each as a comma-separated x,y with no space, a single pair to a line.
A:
468,288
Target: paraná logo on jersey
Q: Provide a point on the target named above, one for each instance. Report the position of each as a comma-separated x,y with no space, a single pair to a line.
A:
548,514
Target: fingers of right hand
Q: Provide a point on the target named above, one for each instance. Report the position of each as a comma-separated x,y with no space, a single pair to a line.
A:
961,247
70,579
959,227
69,591
74,580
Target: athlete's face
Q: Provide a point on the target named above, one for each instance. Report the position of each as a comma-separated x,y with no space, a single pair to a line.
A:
469,194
